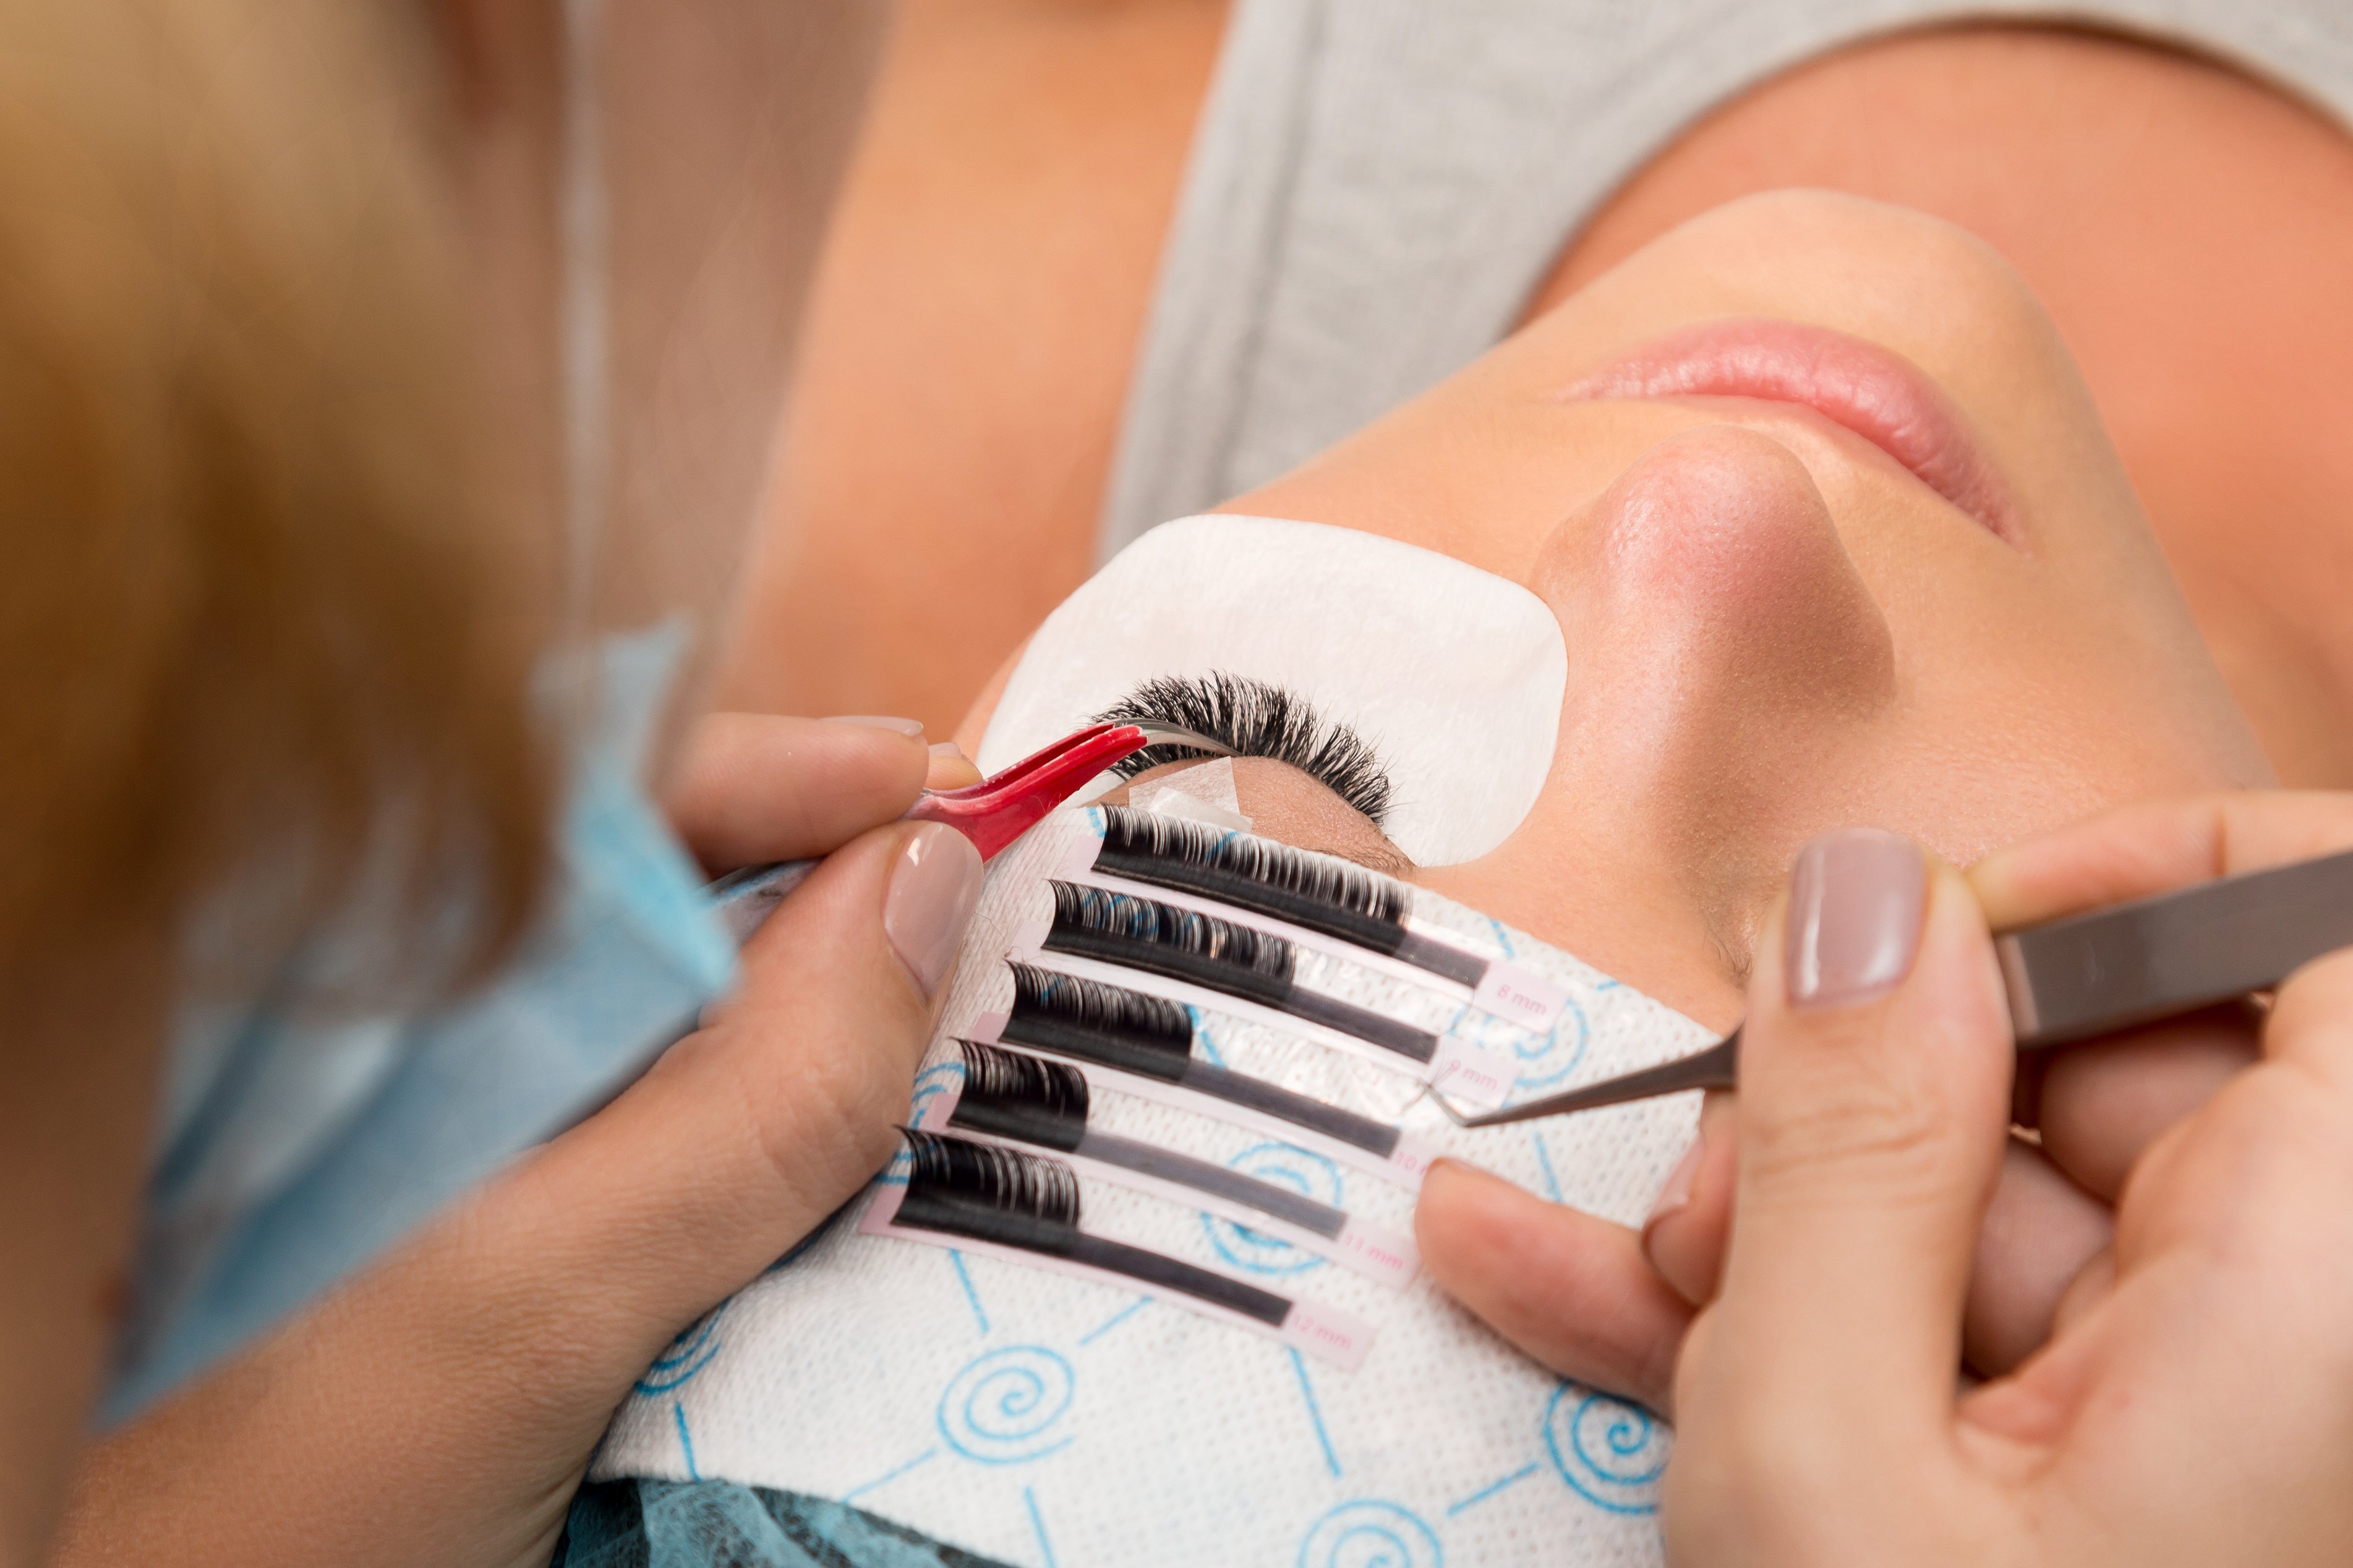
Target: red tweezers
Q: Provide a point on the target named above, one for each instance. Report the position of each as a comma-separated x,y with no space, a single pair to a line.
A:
992,813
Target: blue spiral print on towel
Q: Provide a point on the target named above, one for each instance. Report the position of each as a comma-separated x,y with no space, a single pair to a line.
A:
685,1357
1002,1408
929,1084
1370,1533
1611,1452
1547,1058
1312,1175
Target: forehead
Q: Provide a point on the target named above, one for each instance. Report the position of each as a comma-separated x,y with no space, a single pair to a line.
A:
1454,676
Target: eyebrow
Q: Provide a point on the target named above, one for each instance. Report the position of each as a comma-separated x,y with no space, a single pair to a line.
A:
1257,718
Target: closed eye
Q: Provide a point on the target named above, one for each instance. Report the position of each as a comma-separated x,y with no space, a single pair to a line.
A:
1257,718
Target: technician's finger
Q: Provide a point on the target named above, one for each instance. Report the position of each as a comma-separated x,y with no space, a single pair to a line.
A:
1686,1235
1875,1066
747,1134
750,788
1570,1289
2041,1229
2101,1103
2155,845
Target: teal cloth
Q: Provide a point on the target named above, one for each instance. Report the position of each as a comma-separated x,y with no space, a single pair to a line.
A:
719,1524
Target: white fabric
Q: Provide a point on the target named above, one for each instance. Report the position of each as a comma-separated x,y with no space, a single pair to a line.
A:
1454,675
1040,1419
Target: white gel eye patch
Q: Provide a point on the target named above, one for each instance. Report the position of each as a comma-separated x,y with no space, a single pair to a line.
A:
1453,675
1224,1353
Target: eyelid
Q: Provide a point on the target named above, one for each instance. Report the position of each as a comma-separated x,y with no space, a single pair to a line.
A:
1257,719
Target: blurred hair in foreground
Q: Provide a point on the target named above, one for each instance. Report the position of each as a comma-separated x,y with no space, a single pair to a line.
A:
264,617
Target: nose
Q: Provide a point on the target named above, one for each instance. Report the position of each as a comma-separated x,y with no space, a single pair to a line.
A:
1722,653
1706,599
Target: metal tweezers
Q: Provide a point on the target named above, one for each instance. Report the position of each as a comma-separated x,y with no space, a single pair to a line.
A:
2086,975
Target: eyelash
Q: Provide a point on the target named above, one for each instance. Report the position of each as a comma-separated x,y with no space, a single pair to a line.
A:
1257,719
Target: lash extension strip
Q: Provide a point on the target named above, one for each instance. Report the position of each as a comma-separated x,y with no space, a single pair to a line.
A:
1208,957
1217,955
1320,894
1013,1097
1148,1042
1026,1207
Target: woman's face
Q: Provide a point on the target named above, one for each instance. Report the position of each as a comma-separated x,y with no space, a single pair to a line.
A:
1833,536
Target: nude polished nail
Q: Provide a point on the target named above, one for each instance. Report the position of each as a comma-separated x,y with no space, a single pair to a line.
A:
908,727
1676,1195
933,888
1856,899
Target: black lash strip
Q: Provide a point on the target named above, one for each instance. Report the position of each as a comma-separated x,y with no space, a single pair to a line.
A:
1008,1094
1216,954
1152,1036
1110,1024
954,1175
1317,891
1256,718
1320,892
1161,939
982,1193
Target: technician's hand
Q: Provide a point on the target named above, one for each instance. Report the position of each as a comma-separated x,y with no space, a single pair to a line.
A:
1609,1306
2195,1404
442,1407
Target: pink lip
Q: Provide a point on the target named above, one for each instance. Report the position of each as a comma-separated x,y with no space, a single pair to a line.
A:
1874,392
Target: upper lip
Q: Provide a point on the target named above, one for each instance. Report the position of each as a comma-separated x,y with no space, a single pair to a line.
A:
1872,391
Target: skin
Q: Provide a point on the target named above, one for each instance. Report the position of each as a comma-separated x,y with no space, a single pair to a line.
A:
2190,231
479,1364
1773,629
1869,1138
309,1450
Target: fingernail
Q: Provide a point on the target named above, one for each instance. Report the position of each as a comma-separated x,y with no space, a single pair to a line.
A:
909,727
933,890
947,749
1855,902
1676,1195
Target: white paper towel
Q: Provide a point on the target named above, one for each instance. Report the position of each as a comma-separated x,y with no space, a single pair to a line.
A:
1046,1420
1453,675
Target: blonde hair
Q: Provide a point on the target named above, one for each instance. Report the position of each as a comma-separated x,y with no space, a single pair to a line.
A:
259,614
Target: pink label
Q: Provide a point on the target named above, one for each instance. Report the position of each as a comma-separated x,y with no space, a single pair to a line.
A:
1414,1156
1326,1335
1526,999
1471,1073
1391,1259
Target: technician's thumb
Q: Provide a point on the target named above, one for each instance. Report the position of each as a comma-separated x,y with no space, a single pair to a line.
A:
1874,1094
747,1134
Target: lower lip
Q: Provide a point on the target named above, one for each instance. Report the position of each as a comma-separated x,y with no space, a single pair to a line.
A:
1872,391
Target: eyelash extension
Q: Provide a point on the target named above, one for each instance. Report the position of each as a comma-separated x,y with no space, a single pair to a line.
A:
1153,1037
1321,893
1216,954
1256,718
1008,1094
985,1193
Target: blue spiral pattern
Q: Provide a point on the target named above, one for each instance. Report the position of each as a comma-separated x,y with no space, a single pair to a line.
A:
1310,1175
1612,1453
929,1084
1002,1408
1547,1059
685,1357
1370,1533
